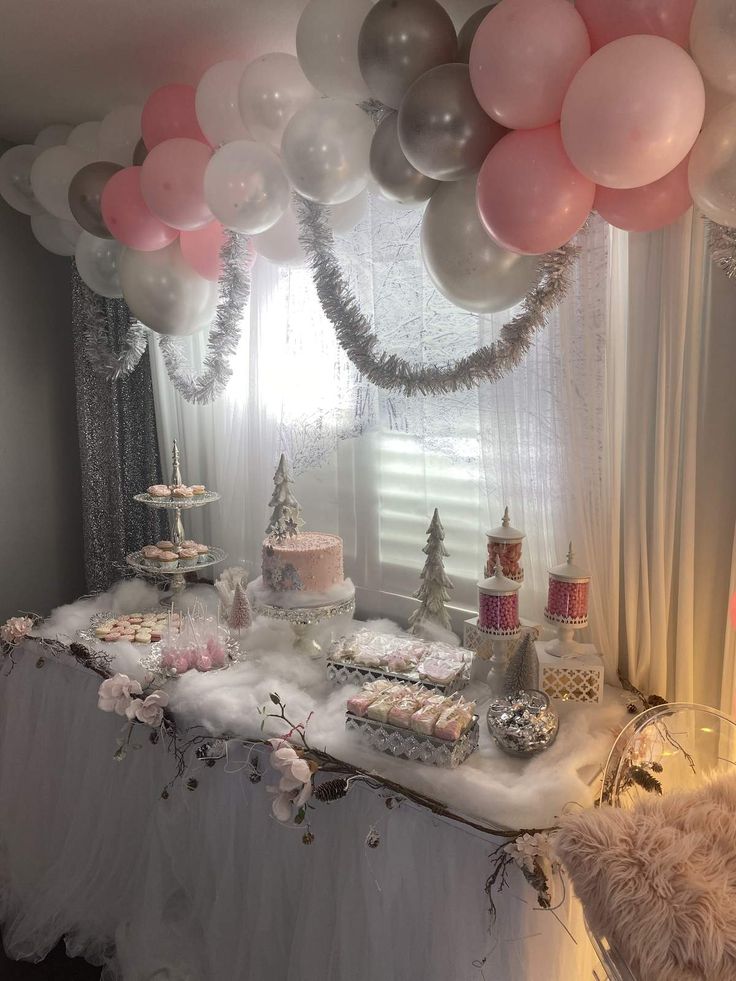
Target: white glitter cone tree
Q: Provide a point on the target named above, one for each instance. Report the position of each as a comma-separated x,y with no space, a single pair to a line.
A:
286,518
522,671
434,591
241,614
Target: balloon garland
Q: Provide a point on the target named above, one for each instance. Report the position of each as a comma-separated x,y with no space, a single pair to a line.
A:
389,371
514,130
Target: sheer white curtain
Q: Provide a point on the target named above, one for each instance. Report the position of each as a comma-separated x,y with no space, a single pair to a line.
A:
679,467
614,432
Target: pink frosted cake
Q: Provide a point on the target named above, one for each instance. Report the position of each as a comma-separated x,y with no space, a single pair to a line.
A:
309,562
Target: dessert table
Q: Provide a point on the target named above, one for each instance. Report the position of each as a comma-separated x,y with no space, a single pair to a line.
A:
205,885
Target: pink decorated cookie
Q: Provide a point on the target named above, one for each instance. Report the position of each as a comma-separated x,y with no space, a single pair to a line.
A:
159,490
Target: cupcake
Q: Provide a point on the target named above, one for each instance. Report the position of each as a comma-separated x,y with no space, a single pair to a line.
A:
198,489
182,491
165,546
203,552
188,558
159,490
167,561
150,554
188,543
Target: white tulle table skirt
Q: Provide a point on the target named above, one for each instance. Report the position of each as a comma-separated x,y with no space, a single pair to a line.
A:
207,886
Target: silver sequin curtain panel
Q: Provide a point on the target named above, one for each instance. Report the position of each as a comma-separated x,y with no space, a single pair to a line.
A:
118,451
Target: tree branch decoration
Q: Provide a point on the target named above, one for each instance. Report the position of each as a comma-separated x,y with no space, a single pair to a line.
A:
222,343
393,373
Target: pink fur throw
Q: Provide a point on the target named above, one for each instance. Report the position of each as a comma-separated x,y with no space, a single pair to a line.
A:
659,880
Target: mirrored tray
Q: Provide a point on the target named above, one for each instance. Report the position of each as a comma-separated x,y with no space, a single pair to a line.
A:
349,673
410,745
184,503
152,661
135,559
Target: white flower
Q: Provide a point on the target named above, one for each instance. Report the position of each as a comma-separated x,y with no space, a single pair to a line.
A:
149,710
15,629
295,786
115,694
528,849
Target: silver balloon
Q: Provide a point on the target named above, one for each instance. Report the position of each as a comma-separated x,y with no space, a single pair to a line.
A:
271,90
463,261
467,32
325,150
98,264
401,40
443,131
15,178
245,187
344,217
397,180
85,192
164,293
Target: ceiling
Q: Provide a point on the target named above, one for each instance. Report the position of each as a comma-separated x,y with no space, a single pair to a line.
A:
67,61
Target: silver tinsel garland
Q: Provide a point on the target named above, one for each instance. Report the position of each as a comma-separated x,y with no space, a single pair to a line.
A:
393,373
224,337
722,245
103,361
222,343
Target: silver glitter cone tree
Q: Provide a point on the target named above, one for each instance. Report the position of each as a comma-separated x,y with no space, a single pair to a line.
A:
522,671
286,518
434,591
241,615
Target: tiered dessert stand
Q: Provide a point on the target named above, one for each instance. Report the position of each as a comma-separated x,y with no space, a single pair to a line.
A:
174,508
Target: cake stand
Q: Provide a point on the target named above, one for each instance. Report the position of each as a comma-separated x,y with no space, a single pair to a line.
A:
174,507
303,620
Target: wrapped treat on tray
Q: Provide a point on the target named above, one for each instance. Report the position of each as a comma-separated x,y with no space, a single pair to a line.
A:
366,656
413,722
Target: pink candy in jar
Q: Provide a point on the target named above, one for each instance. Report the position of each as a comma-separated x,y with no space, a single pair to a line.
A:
504,544
498,604
567,594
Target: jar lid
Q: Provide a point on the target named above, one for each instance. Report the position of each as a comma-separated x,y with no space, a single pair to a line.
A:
569,570
505,533
498,584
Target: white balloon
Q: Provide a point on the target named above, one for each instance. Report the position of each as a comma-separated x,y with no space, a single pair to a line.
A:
55,234
119,133
245,187
15,178
344,217
327,47
712,168
51,175
217,103
165,293
713,42
85,137
281,244
98,264
53,135
325,150
271,90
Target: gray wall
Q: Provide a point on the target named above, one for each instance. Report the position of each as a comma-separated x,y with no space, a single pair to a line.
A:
40,506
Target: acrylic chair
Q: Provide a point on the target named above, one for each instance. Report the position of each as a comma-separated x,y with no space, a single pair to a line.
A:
671,748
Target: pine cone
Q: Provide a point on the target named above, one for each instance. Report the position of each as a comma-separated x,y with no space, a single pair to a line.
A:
332,790
307,838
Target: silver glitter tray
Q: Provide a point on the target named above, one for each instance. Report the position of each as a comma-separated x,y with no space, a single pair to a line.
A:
184,503
88,634
347,673
305,616
410,745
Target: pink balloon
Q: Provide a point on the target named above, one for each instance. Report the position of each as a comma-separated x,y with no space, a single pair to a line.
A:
633,111
530,197
201,249
524,56
608,20
645,209
169,113
172,182
128,216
